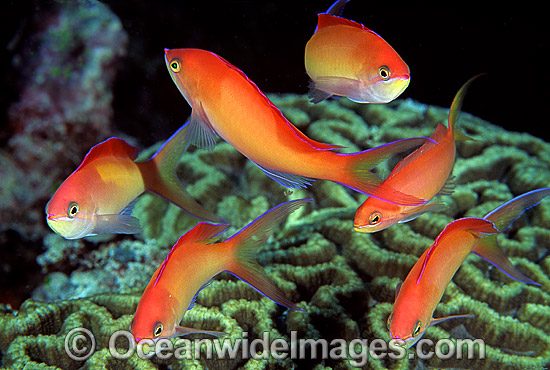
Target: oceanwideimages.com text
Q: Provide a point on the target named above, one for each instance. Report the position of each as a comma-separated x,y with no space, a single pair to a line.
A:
80,344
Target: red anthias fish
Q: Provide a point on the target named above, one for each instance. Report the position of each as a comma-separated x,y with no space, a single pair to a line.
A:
423,288
226,103
98,197
194,261
425,173
345,58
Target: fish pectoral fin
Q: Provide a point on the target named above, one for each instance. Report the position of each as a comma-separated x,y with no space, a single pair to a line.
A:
200,132
435,205
488,249
341,86
182,330
449,187
116,224
315,95
441,319
288,180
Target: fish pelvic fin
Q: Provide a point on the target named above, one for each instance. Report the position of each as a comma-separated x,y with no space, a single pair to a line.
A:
116,224
510,211
200,132
243,263
359,177
439,320
488,249
315,94
159,176
454,111
182,330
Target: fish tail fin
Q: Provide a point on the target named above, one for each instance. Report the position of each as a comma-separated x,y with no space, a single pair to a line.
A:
506,214
488,249
357,173
502,217
159,175
454,111
243,263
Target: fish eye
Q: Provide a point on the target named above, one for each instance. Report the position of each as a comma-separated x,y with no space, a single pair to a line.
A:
375,218
384,73
175,65
389,320
158,330
72,210
417,328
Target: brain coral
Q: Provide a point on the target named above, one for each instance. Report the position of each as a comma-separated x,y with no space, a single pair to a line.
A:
345,281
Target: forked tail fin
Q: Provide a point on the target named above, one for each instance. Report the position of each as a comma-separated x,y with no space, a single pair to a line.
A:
359,177
510,211
159,175
502,217
245,243
454,111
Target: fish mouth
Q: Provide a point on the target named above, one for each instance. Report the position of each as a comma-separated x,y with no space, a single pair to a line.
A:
361,228
53,217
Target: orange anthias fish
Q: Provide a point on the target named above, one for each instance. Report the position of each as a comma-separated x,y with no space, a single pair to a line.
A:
194,261
98,197
424,174
225,102
345,58
425,284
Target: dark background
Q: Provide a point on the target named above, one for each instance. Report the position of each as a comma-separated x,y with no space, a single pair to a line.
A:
443,46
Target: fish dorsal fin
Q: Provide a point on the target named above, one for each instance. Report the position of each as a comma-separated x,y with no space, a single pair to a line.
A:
202,232
327,20
112,147
477,226
314,144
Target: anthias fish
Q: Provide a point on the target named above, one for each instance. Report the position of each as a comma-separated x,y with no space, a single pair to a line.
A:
226,103
194,261
423,288
345,58
98,197
425,173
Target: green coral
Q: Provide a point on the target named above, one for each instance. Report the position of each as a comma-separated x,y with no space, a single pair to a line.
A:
343,280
